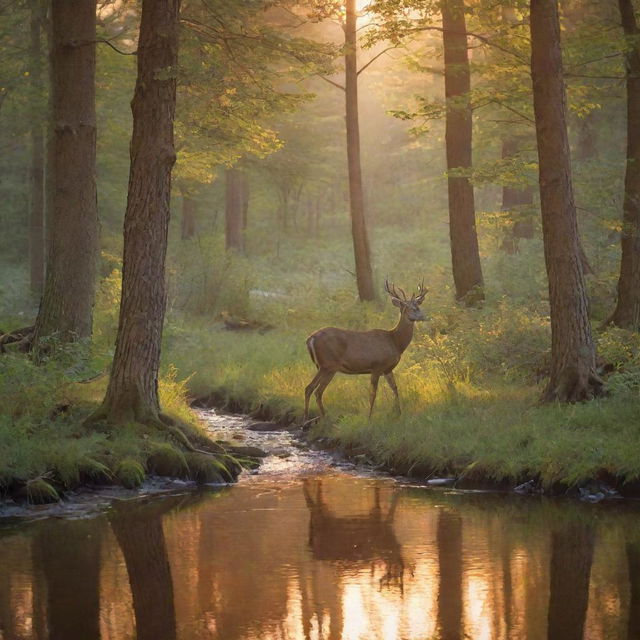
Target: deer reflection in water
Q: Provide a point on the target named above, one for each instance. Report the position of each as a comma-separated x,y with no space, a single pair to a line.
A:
358,540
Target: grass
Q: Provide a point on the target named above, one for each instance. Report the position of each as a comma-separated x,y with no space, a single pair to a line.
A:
470,400
45,449
469,382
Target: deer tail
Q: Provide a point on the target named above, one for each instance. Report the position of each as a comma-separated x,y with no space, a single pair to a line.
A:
312,351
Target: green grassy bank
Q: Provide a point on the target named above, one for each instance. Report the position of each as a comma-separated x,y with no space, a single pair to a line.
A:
469,382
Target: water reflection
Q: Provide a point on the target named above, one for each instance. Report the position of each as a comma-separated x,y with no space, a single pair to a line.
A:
328,557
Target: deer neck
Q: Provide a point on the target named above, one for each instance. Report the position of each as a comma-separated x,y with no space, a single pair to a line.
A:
402,333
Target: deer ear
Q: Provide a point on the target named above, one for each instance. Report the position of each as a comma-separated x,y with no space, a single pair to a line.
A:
396,302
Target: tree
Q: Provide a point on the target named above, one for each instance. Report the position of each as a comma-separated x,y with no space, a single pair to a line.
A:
132,394
465,256
67,304
573,374
36,218
234,204
627,311
361,250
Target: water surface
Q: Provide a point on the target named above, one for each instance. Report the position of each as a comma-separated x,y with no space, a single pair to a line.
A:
305,550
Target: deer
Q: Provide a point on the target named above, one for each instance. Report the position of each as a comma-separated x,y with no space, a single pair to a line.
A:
375,352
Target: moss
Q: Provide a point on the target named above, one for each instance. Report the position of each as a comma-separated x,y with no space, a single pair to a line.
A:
129,473
166,459
212,469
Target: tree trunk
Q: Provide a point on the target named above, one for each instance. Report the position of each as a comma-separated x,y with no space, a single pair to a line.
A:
362,253
132,394
244,198
234,238
189,222
465,256
571,558
67,304
627,310
449,537
513,198
573,373
141,537
36,218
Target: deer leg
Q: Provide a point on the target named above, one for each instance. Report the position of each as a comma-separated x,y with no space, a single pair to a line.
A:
373,391
325,378
391,381
307,393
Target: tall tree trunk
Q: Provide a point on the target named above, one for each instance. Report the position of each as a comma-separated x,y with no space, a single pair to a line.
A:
234,238
244,198
573,373
449,538
627,310
362,253
571,558
465,256
189,222
36,218
141,537
67,304
132,394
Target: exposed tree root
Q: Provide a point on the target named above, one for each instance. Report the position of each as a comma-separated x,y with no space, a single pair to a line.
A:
573,385
18,341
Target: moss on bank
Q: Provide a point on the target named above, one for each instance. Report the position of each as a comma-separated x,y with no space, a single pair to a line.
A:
45,448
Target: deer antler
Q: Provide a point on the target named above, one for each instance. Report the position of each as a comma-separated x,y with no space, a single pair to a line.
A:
391,290
422,292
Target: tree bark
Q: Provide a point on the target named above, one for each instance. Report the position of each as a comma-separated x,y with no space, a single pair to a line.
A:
36,218
67,304
189,222
449,537
513,198
132,394
234,238
244,198
573,374
571,558
627,311
465,256
361,250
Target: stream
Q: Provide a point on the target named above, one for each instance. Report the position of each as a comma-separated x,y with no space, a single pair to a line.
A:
309,547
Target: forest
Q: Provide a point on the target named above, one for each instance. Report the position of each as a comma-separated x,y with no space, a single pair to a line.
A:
191,189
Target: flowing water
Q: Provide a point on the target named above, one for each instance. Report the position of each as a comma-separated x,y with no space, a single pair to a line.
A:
309,549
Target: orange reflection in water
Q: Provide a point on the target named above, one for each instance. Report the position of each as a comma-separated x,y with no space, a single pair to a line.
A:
326,558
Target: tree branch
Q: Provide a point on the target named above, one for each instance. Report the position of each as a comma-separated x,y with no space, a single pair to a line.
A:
375,58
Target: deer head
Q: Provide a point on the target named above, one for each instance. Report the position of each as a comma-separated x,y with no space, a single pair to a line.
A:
409,307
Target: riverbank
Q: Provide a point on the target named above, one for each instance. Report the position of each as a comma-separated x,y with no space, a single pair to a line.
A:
469,395
47,451
483,430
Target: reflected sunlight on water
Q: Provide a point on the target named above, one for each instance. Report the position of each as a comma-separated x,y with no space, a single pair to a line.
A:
326,557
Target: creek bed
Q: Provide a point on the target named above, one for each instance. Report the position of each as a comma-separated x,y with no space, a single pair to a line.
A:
311,547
